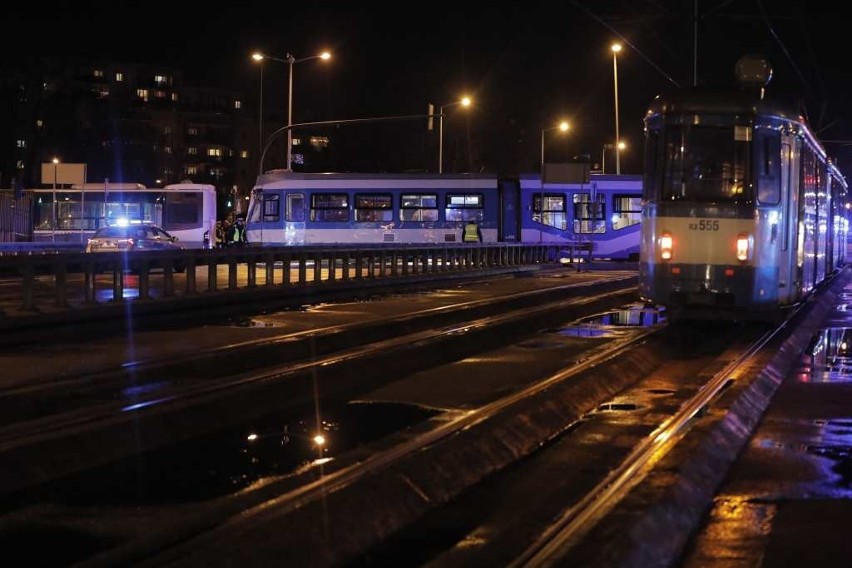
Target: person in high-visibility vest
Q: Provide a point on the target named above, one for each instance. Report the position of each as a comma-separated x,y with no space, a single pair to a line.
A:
237,233
472,233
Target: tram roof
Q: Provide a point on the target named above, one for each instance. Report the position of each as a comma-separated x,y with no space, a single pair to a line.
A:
719,101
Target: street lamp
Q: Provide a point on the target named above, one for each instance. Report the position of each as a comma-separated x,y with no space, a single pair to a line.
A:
616,47
563,126
53,221
465,101
290,60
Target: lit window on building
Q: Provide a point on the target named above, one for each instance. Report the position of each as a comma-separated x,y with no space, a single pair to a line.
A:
216,152
161,79
238,105
167,149
167,130
192,131
243,153
297,141
142,94
119,77
99,73
318,142
21,143
39,123
191,170
174,97
192,150
167,171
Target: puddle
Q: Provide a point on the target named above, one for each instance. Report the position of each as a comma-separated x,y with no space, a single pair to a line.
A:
828,357
229,461
606,324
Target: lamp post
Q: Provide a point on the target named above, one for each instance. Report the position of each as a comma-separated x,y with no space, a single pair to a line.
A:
617,147
616,47
53,221
290,60
563,126
465,101
259,58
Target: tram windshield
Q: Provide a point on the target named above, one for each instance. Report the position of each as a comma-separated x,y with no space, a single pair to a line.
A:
701,163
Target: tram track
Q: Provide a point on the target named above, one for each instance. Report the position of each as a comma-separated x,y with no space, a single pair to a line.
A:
107,409
358,508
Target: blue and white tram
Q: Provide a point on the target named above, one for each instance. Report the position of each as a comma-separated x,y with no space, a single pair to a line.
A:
185,210
743,210
292,208
604,213
288,208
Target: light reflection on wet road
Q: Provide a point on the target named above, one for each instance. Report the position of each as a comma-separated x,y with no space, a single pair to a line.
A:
788,499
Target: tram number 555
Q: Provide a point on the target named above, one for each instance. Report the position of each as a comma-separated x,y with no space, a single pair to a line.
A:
704,225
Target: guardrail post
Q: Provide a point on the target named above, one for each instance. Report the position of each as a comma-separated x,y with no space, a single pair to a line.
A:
270,269
61,283
89,284
118,280
213,272
286,263
144,280
317,267
190,284
232,271
251,267
28,284
346,260
303,268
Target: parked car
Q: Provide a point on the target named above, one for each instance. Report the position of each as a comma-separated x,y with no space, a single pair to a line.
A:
134,236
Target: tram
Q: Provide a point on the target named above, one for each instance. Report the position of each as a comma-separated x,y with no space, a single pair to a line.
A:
291,208
185,210
744,212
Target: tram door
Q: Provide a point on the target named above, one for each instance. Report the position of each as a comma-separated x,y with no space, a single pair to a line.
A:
295,214
510,211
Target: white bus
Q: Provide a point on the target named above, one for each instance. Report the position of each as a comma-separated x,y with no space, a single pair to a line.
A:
69,215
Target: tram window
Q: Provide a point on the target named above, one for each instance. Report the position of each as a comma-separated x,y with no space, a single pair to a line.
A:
271,208
549,209
589,214
464,207
626,211
373,207
707,163
768,157
330,207
418,207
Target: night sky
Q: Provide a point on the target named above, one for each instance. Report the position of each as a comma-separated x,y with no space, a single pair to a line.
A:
526,66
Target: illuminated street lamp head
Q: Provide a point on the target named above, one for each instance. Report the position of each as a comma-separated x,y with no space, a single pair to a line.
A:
55,160
616,47
564,126
621,145
257,56
325,55
465,101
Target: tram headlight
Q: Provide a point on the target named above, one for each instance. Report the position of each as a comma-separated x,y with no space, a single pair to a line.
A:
666,246
743,247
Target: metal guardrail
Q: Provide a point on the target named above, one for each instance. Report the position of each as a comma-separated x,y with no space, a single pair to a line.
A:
51,282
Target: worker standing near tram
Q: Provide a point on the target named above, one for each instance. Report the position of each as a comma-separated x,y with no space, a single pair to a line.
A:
472,233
